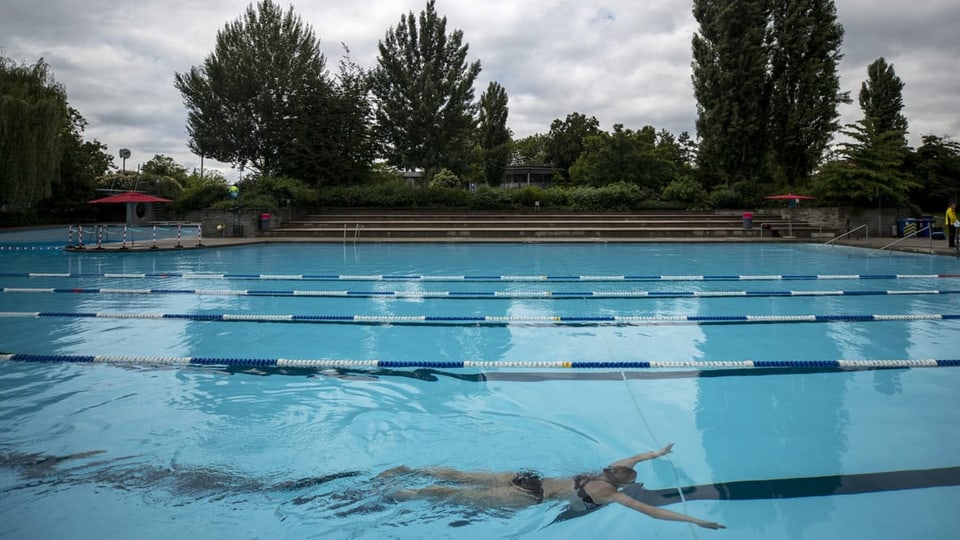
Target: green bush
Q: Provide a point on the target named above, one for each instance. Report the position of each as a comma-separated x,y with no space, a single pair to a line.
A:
526,197
684,189
616,197
200,195
487,198
275,191
445,178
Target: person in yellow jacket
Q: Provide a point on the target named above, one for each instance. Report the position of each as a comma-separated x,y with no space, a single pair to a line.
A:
951,224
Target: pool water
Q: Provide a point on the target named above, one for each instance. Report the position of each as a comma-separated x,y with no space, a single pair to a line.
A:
134,449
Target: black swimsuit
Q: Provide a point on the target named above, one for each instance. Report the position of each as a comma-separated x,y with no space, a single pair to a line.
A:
579,481
529,482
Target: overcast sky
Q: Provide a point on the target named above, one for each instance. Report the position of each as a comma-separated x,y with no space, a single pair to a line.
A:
622,61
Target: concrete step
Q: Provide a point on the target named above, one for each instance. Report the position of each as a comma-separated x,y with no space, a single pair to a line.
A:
535,226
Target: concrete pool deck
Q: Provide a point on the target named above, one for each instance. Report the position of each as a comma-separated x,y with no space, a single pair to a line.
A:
911,245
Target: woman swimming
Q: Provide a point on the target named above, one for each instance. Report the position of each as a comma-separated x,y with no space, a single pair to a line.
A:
525,488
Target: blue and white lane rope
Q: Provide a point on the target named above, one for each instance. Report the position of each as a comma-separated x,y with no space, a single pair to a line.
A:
454,320
507,295
442,364
504,278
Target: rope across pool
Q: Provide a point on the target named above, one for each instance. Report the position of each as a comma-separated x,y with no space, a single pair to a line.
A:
486,319
506,295
328,363
480,278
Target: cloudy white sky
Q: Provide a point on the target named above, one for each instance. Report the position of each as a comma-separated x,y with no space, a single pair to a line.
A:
622,61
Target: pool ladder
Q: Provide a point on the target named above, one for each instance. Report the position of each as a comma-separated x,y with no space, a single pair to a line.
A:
356,233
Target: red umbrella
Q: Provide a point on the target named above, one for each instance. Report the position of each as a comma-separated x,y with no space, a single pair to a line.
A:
130,197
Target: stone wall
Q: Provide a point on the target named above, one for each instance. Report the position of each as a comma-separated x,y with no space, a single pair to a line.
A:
880,222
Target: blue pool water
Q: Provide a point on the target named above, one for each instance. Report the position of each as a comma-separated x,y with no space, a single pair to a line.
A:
133,449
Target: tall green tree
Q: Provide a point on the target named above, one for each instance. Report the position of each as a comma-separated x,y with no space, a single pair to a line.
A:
33,119
566,140
881,98
804,51
423,94
766,81
730,84
332,142
870,165
495,136
247,98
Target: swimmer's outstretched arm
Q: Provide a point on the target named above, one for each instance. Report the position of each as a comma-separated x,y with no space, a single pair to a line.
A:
661,513
633,460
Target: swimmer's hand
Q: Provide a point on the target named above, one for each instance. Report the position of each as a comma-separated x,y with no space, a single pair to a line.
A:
710,524
665,450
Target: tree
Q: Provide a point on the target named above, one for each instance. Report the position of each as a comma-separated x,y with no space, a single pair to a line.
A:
33,119
936,166
625,156
81,163
566,140
805,40
766,80
244,102
494,134
161,165
731,88
881,98
530,150
332,142
870,166
423,94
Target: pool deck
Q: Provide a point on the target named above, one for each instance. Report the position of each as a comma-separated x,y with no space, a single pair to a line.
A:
911,245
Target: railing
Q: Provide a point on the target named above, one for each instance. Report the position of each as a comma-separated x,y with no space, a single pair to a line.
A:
911,235
80,237
848,233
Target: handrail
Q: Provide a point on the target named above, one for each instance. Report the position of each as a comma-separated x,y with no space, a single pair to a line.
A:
848,233
906,236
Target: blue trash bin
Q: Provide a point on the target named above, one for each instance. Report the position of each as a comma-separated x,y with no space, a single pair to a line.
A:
925,226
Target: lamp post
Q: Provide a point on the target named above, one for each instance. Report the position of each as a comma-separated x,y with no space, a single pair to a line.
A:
124,154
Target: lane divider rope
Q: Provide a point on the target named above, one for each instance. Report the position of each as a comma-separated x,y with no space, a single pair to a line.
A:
331,363
454,320
505,278
478,294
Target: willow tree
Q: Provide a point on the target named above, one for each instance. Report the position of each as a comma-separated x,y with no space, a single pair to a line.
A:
33,117
423,93
247,99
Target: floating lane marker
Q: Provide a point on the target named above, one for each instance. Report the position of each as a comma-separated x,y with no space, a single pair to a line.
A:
479,294
491,319
503,278
323,363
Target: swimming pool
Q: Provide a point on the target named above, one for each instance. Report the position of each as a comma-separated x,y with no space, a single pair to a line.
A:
264,451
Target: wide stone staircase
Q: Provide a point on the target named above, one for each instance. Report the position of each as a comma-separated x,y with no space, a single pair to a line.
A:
469,226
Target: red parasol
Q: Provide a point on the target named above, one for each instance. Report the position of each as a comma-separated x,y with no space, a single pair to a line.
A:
130,197
133,200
